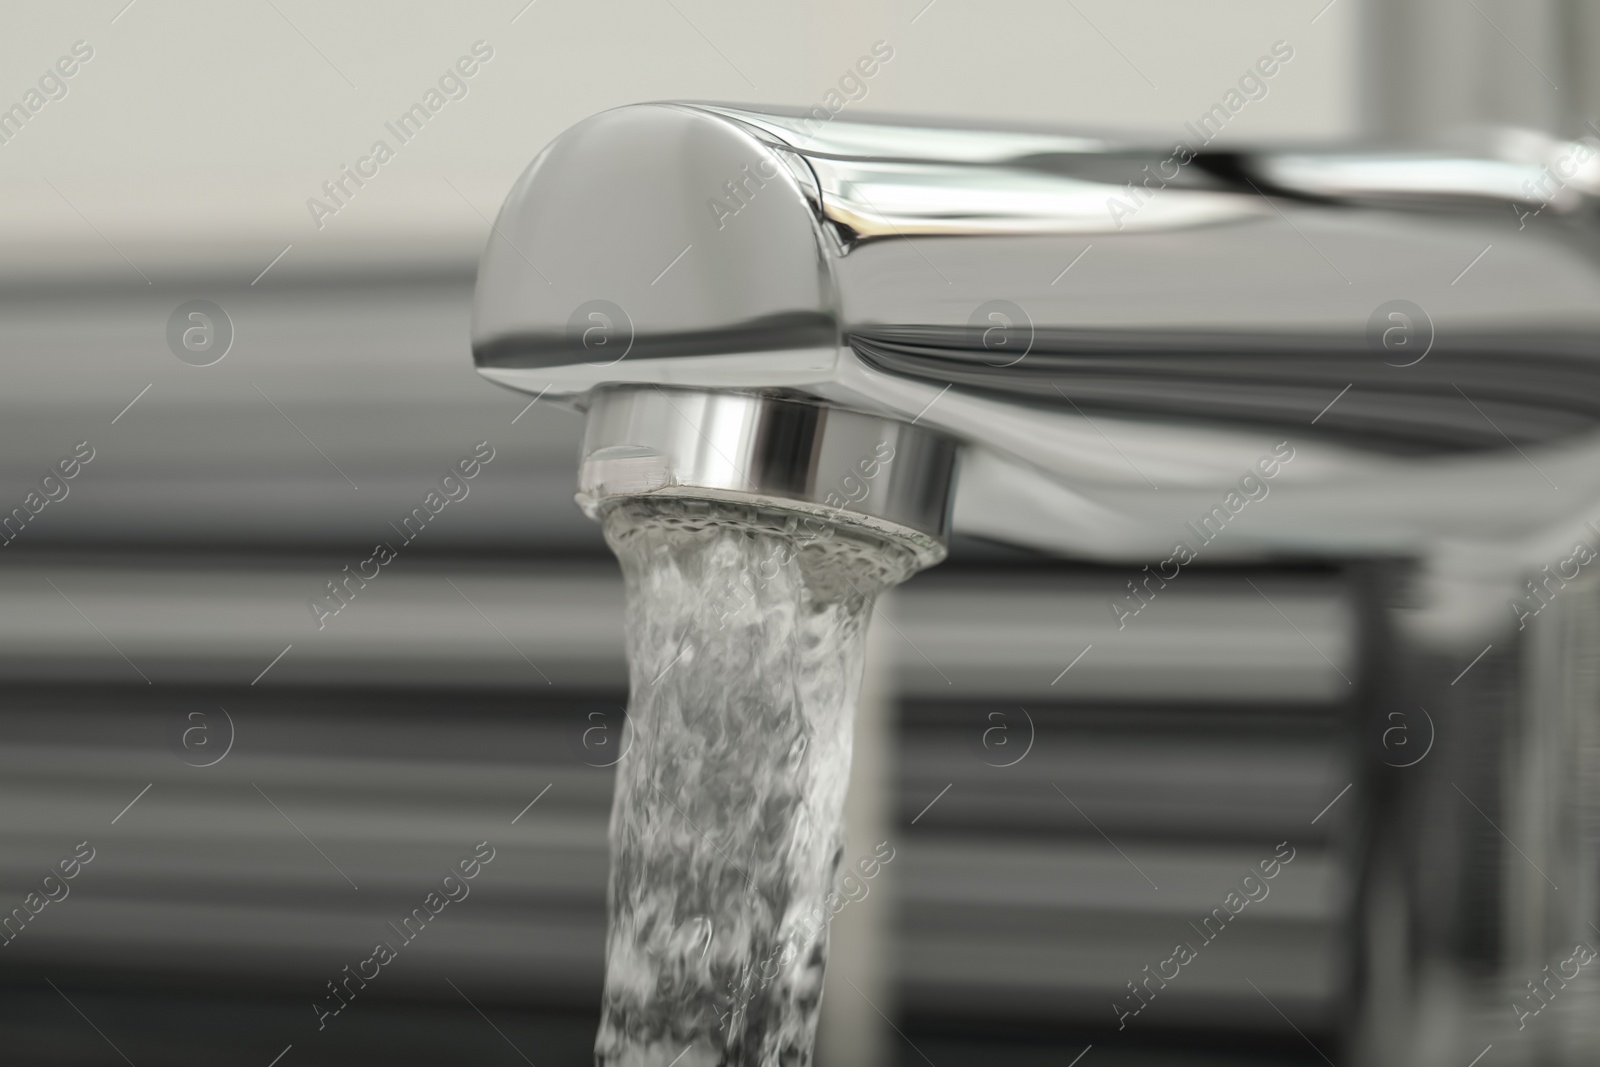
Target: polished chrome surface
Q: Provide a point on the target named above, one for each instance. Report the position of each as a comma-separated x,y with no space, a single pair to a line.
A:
879,475
1099,320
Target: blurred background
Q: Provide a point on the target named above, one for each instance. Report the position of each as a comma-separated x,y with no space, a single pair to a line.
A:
264,791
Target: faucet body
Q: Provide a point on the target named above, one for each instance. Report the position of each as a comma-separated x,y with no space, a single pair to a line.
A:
1386,360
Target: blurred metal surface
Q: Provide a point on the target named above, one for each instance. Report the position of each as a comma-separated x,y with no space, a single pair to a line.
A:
332,382
1439,66
376,758
477,625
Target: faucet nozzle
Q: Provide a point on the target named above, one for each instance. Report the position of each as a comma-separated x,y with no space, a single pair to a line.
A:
883,477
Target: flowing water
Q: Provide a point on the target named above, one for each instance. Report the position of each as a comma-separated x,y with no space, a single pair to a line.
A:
746,631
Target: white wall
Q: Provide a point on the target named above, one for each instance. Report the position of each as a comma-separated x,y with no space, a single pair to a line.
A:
207,121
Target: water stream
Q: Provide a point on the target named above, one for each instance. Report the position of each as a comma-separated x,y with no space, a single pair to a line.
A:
746,631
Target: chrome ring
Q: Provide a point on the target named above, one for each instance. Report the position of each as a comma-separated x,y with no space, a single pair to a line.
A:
881,476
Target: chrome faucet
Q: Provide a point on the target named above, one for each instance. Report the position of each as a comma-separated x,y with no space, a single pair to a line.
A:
1153,356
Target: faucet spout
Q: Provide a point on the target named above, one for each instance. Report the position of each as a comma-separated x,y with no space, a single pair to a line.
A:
1093,321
